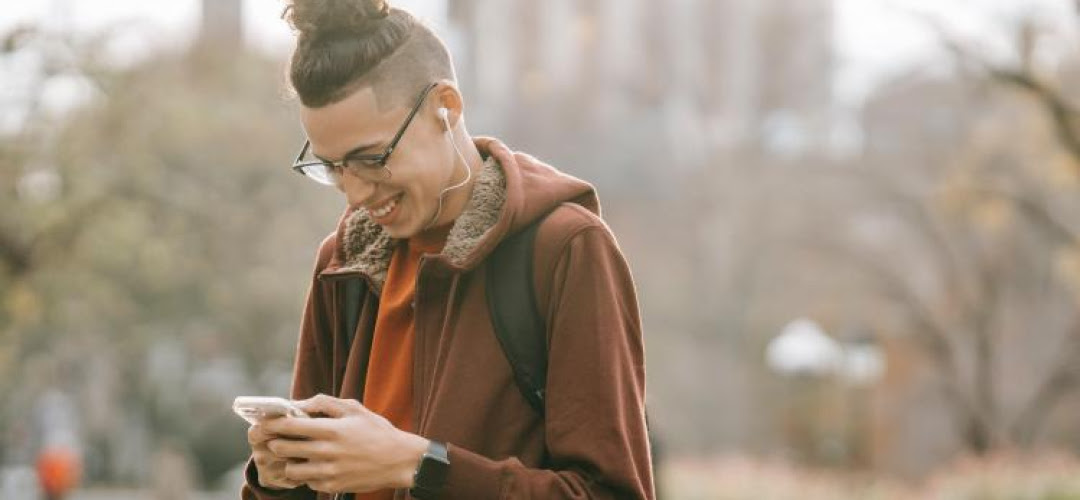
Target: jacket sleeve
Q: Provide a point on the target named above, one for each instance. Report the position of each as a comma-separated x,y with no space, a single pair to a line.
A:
595,417
311,375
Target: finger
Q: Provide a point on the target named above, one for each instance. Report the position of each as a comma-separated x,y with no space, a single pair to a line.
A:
330,406
278,483
257,435
305,472
299,428
265,458
293,449
270,465
277,479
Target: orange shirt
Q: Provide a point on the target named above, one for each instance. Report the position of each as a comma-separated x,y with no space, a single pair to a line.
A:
388,387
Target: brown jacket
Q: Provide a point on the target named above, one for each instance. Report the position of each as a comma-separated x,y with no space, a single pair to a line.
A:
592,443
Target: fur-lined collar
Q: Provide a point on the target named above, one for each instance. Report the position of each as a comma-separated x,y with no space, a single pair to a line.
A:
367,248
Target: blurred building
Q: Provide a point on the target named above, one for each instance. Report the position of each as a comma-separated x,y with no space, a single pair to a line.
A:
656,88
222,24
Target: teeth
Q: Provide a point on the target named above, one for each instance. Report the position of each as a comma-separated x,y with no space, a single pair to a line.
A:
385,210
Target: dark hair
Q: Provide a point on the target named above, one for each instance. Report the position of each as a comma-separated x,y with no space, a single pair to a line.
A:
343,45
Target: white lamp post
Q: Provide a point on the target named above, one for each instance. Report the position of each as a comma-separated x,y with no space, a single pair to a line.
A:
803,348
863,367
805,356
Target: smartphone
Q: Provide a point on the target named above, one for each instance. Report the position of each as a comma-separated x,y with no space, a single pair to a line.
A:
256,408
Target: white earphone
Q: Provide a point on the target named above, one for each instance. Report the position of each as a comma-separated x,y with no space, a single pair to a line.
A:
444,114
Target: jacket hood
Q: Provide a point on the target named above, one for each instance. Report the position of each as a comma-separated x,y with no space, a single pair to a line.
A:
511,191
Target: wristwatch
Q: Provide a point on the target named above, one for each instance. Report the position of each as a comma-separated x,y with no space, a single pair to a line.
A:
430,475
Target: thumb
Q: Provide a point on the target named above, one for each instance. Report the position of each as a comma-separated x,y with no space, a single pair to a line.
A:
329,406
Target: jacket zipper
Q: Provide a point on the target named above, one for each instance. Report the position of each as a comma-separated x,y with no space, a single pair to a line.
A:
418,350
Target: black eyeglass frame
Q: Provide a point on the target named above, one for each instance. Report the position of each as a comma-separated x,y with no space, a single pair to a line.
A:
367,161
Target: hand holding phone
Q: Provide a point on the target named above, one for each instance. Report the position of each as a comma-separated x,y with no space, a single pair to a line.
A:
255,409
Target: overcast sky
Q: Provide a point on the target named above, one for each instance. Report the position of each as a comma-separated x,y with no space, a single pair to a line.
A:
877,38
874,38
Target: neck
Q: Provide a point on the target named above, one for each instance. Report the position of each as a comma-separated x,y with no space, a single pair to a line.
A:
469,160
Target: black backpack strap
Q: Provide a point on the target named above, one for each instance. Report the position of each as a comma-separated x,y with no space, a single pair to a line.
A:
352,291
520,328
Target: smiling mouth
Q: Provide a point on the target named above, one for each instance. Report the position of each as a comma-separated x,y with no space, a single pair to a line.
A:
386,208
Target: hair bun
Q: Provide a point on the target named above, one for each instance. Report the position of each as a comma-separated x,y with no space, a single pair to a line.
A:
318,18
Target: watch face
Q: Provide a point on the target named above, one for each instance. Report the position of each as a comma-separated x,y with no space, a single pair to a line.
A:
432,473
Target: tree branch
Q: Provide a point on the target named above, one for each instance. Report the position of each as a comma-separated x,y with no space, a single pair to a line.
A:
1061,112
1063,380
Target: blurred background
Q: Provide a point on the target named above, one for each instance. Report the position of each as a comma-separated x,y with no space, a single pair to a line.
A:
854,225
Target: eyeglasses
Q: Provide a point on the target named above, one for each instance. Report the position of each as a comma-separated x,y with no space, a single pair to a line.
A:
370,167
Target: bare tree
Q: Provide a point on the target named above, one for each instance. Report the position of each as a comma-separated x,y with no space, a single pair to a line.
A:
978,276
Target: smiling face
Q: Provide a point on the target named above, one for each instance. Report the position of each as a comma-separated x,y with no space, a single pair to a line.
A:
404,202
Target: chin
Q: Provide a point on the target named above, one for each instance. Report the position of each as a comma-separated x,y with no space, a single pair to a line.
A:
408,225
402,230
398,232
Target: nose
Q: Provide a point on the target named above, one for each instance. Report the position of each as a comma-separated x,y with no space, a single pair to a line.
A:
358,191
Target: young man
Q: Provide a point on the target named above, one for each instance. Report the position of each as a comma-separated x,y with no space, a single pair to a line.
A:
420,399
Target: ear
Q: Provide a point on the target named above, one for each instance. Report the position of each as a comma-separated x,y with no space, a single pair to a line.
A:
448,96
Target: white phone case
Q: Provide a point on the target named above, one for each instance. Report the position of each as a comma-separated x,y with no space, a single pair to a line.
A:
256,408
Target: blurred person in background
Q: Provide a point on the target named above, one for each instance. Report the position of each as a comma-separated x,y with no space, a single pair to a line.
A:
58,470
419,399
58,463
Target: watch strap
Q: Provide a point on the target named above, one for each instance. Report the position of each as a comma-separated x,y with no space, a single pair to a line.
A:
431,474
